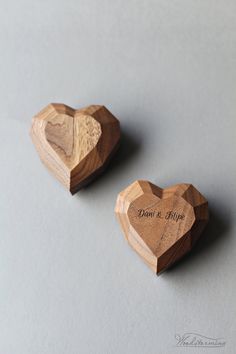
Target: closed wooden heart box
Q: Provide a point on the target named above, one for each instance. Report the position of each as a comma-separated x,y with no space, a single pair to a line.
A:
75,145
162,225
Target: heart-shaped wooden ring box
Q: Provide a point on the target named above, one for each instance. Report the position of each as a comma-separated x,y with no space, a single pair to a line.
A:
162,225
75,145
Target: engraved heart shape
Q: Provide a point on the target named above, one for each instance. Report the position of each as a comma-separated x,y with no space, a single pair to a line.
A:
161,225
75,145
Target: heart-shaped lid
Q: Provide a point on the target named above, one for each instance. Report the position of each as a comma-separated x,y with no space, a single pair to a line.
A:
75,144
161,224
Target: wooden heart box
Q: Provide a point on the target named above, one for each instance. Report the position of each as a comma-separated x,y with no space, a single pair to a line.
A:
75,145
162,225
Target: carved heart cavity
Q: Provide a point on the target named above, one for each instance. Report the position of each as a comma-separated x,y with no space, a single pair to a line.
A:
162,225
75,145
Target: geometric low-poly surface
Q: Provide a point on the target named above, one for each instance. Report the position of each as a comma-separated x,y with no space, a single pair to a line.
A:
75,145
161,225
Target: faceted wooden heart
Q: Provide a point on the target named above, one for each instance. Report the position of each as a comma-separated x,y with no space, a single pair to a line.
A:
75,145
162,225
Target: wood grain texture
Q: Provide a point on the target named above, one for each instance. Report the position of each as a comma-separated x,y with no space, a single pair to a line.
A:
75,145
162,225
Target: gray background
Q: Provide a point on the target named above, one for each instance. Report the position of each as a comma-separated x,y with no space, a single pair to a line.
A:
69,283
